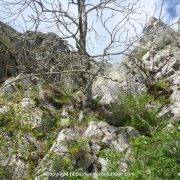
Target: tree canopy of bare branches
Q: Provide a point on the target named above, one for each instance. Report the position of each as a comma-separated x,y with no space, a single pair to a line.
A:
81,21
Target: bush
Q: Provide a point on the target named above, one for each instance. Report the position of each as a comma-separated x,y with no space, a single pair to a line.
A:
161,89
5,41
138,111
157,156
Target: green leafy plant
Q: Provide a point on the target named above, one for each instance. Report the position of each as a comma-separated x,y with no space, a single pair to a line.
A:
157,156
61,164
4,40
113,158
161,90
78,147
138,111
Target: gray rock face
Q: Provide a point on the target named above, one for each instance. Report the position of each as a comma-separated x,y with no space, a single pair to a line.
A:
96,136
104,164
11,84
108,85
113,82
26,109
159,60
15,164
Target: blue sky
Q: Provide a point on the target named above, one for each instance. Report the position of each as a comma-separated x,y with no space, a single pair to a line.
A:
171,9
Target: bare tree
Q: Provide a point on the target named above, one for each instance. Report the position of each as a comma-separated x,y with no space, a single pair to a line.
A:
79,20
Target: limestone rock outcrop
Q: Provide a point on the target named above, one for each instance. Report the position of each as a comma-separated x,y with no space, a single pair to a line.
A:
154,62
86,145
39,136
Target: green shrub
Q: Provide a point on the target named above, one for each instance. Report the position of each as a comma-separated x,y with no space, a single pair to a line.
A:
4,40
158,156
10,121
138,111
4,173
161,90
78,148
60,164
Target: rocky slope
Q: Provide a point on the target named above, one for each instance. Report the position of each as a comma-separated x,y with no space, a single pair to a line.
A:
46,131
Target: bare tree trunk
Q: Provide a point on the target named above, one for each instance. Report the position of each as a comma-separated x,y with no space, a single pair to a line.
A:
81,45
82,26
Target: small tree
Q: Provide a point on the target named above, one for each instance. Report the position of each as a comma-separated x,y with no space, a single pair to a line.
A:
78,20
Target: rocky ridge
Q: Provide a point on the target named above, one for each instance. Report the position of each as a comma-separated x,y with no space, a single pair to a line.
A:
156,59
